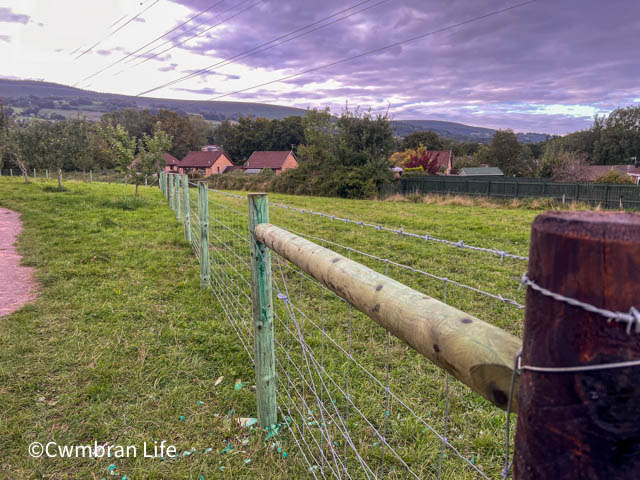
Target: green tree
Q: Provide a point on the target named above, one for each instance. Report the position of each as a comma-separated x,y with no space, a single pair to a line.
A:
180,130
617,136
203,131
136,122
505,152
5,124
122,147
615,177
150,159
429,139
82,142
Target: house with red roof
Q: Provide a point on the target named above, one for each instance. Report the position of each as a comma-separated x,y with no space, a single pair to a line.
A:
205,163
171,163
276,161
443,158
593,172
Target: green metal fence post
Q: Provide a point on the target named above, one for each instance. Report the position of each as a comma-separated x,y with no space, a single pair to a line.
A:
179,197
203,213
164,185
172,195
262,313
186,208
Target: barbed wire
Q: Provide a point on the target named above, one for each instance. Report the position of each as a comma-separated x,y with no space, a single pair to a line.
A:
398,231
632,318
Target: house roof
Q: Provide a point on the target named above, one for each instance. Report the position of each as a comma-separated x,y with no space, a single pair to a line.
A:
170,159
232,168
473,171
267,159
200,159
595,171
442,157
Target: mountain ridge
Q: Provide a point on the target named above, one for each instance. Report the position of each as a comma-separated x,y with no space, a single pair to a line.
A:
34,98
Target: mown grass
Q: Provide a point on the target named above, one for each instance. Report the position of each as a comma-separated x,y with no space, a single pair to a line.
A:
122,343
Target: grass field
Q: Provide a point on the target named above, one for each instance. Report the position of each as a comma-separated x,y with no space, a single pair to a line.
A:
124,347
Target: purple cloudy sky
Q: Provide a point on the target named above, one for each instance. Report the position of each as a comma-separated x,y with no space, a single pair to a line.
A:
548,66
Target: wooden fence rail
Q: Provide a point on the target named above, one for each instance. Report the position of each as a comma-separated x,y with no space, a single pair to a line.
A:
476,353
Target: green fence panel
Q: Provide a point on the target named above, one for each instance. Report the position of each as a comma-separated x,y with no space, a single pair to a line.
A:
607,196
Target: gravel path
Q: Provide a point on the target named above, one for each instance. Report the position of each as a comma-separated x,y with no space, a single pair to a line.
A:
17,283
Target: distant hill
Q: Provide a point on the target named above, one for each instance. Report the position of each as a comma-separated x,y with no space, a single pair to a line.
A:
30,98
458,131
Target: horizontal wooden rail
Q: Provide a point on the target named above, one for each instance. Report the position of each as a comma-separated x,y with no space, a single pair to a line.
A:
476,353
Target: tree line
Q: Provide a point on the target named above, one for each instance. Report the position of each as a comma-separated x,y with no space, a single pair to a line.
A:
78,144
347,155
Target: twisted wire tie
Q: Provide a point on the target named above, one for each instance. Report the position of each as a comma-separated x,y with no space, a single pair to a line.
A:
632,318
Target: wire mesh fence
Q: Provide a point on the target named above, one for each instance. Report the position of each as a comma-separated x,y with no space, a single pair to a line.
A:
353,400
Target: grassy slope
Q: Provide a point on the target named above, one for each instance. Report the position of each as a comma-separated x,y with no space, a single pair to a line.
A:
122,341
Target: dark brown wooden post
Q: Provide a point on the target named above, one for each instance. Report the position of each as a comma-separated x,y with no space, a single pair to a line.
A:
583,425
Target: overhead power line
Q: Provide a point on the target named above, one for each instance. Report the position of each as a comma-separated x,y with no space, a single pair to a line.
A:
261,48
203,31
202,12
376,50
117,29
117,21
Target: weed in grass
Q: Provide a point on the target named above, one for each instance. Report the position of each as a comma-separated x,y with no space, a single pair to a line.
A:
52,189
126,203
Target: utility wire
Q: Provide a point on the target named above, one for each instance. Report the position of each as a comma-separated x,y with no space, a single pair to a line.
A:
376,50
259,48
117,21
151,42
203,31
117,29
177,37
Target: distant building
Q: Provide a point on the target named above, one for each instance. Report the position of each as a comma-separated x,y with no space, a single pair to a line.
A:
444,159
593,172
232,168
211,148
172,164
276,161
480,172
205,163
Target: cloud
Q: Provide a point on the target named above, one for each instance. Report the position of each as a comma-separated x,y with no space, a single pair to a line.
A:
168,68
199,91
562,66
7,16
